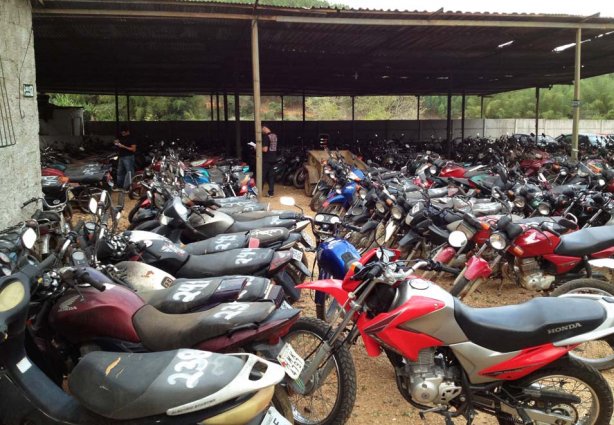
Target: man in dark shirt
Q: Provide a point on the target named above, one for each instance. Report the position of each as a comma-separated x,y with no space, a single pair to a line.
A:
269,157
126,148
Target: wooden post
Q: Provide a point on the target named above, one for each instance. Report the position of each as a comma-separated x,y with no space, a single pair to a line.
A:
227,143
257,122
576,96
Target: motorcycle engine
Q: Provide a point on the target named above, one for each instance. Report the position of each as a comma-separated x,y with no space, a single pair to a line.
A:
429,380
531,276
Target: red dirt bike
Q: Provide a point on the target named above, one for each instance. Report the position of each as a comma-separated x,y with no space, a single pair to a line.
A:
538,256
510,362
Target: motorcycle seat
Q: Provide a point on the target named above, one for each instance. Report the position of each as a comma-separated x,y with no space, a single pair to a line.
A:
554,222
256,215
187,295
241,261
241,208
585,241
536,322
274,221
125,386
86,178
218,243
161,331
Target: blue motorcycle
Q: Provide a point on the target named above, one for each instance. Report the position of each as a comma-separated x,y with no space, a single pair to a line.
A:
340,199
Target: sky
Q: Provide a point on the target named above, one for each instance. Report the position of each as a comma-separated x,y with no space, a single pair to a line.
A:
584,7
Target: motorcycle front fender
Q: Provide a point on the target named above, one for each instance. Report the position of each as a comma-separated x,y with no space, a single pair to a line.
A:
477,268
445,255
329,286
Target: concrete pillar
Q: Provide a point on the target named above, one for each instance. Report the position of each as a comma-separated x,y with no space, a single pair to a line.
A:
576,95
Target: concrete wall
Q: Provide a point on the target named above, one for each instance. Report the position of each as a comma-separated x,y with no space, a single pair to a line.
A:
216,135
62,126
20,163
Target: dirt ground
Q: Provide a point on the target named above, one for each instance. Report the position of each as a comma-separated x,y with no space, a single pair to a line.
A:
378,400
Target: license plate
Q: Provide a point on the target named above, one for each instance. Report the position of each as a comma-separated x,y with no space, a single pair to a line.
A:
308,239
273,417
290,361
296,254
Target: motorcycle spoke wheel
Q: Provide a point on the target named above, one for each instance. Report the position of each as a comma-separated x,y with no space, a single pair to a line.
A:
600,353
331,401
327,309
570,377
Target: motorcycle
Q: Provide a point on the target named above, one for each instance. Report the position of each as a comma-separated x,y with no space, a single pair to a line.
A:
449,359
30,396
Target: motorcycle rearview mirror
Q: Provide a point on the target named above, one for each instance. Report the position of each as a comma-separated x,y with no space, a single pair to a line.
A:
28,238
93,205
287,201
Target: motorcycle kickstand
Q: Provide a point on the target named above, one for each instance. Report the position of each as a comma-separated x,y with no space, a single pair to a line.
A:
441,410
500,288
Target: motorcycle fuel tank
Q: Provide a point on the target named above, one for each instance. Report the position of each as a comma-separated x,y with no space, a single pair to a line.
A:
335,255
91,314
535,243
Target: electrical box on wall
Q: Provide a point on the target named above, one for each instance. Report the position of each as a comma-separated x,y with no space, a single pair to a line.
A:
28,90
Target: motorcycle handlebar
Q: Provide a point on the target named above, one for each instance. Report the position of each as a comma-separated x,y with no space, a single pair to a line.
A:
28,202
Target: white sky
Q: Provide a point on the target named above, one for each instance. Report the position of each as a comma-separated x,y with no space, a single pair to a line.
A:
569,7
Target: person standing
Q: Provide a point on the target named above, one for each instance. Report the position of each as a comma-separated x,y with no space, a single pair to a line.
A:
126,148
269,158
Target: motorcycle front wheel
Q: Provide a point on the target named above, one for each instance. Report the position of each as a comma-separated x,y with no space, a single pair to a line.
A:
331,400
600,353
570,378
317,200
463,286
298,179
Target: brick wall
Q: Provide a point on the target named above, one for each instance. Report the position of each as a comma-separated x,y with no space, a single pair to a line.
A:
19,164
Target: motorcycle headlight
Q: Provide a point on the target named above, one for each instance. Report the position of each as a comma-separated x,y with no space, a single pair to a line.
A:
497,241
396,212
543,209
457,239
363,193
380,207
520,202
563,172
433,170
319,218
11,296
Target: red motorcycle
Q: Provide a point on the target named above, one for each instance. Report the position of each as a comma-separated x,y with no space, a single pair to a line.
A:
533,165
510,362
539,257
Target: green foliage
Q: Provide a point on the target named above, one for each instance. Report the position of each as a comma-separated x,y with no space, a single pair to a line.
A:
597,103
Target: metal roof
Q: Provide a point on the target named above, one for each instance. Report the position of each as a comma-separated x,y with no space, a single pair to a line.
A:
190,46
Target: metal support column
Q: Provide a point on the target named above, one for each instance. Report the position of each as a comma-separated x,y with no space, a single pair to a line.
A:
282,118
257,122
303,135
482,107
576,96
227,143
418,118
116,113
536,114
449,127
238,146
464,104
128,107
211,105
353,119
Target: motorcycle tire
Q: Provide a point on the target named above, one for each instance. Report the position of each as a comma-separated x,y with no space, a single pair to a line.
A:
597,287
134,210
327,310
298,178
343,365
318,199
567,367
136,190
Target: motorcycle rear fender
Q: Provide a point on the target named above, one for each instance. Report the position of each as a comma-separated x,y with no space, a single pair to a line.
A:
477,268
284,280
605,329
445,255
329,286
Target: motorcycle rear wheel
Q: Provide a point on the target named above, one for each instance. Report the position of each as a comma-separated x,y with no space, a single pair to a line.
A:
317,200
305,336
558,377
598,354
298,179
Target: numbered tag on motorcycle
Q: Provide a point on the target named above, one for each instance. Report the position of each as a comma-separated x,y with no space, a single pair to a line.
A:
273,417
296,254
290,361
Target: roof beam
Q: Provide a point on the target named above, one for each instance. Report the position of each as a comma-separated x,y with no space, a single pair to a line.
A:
322,20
